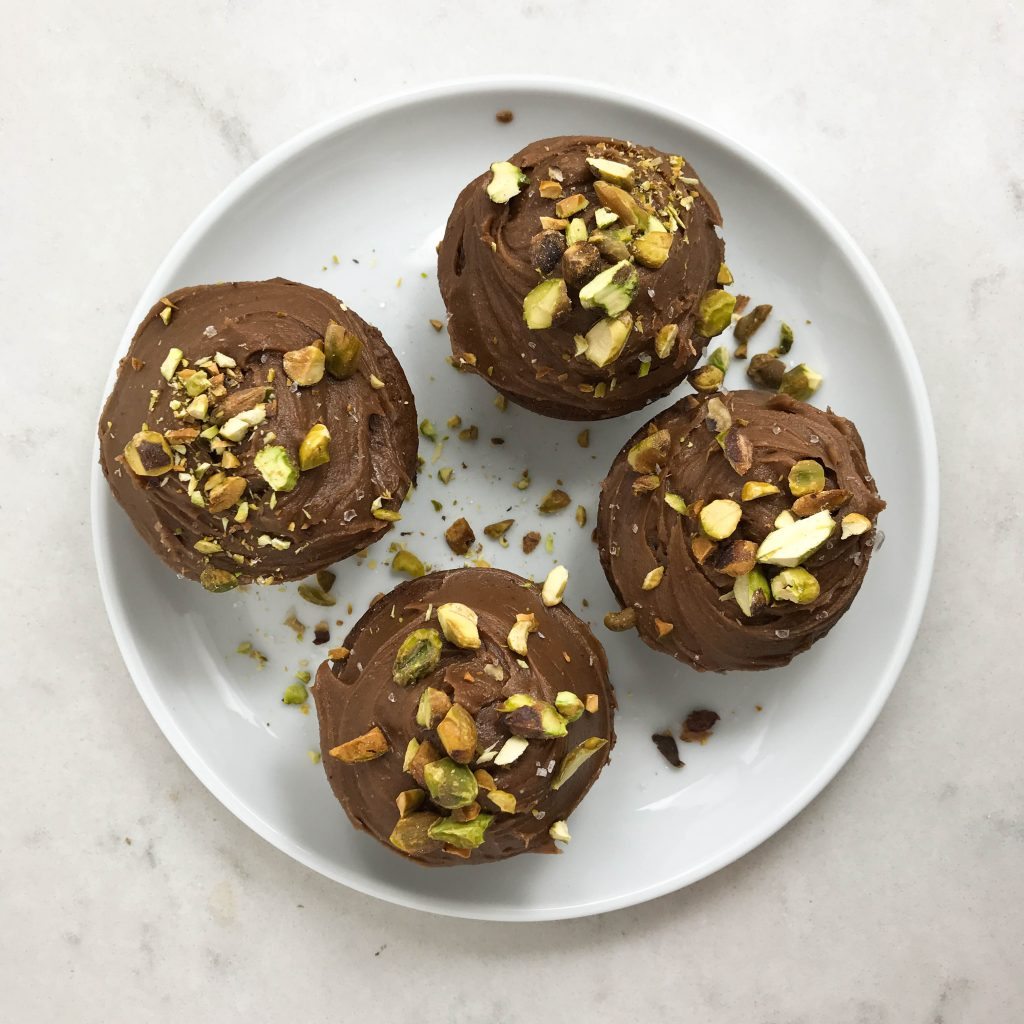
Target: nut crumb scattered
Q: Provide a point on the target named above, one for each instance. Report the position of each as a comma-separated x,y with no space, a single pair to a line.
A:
460,536
504,116
530,542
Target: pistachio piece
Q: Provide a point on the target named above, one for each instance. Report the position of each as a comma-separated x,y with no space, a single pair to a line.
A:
432,706
449,784
546,304
784,518
148,454
796,585
806,477
665,340
715,312
603,217
575,760
519,633
411,750
170,363
217,581
568,705
701,547
559,831
553,223
458,623
315,449
458,734
507,181
485,780
297,693
705,379
367,747
828,501
417,656
612,290
503,800
724,275
854,524
511,750
409,801
580,263
750,322
407,562
460,536
719,519
549,189
412,834
738,450
462,835
652,249
235,428
751,592
498,530
467,813
305,366
546,248
754,489
416,760
554,586
620,202
607,338
785,339
653,579
791,545
619,622
800,382
676,503
611,171
576,232
341,351
571,204
277,467
734,558
316,595
649,454
610,247
225,494
766,370
646,483
554,501
719,358
536,720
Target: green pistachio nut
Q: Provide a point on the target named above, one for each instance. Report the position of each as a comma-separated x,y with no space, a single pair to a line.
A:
652,249
611,171
568,705
752,592
315,449
296,693
715,313
458,734
676,502
450,784
575,760
650,453
538,720
465,835
148,454
277,467
546,304
417,656
507,181
412,834
806,477
612,290
607,338
218,581
706,379
432,707
341,351
719,519
576,232
800,382
719,358
790,545
796,585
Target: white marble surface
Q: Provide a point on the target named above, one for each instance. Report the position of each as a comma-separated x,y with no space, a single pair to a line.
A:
128,893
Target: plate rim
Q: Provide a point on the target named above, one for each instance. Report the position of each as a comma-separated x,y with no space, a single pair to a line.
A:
927,533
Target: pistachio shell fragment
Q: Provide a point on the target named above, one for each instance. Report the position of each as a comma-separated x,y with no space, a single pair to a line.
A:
568,705
148,454
412,834
277,467
575,760
796,585
305,366
715,312
791,545
554,586
612,290
458,734
367,747
607,338
217,581
719,518
806,477
433,705
341,351
751,592
459,625
800,382
519,633
315,448
754,489
546,304
449,784
507,181
463,835
648,454
417,656
854,524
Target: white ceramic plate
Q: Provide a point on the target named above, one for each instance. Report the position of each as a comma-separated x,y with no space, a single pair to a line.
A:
376,186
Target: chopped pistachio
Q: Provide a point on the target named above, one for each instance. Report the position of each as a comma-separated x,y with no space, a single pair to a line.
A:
450,784
503,800
148,454
676,503
170,363
747,325
719,358
724,275
784,518
412,834
409,801
315,448
387,515
576,233
581,515
376,383
754,489
583,438
800,382
341,351
738,450
554,586
648,454
459,625
199,407
417,656
665,340
611,171
785,339
607,338
277,467
296,693
610,247
603,217
461,835
854,524
796,585
751,592
620,202
559,831
315,595
438,325
408,563
305,366
511,750
706,379
536,720
715,312
367,747
546,304
734,558
458,734
549,189
507,181
485,780
652,249
470,433
568,705
828,500
719,519
806,477
518,634
791,545
653,579
166,313
217,581
445,474
226,494
432,706
553,501
460,536
553,223
592,702
663,628
571,204
498,530
235,428
766,371
612,290
575,759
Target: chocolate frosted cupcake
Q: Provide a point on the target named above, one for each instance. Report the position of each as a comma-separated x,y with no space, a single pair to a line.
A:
258,432
582,276
469,716
736,529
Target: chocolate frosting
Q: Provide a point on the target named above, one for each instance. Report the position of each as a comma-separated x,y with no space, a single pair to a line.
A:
358,693
328,515
485,272
638,532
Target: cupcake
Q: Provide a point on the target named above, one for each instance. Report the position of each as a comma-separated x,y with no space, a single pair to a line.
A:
257,432
736,529
582,276
466,717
